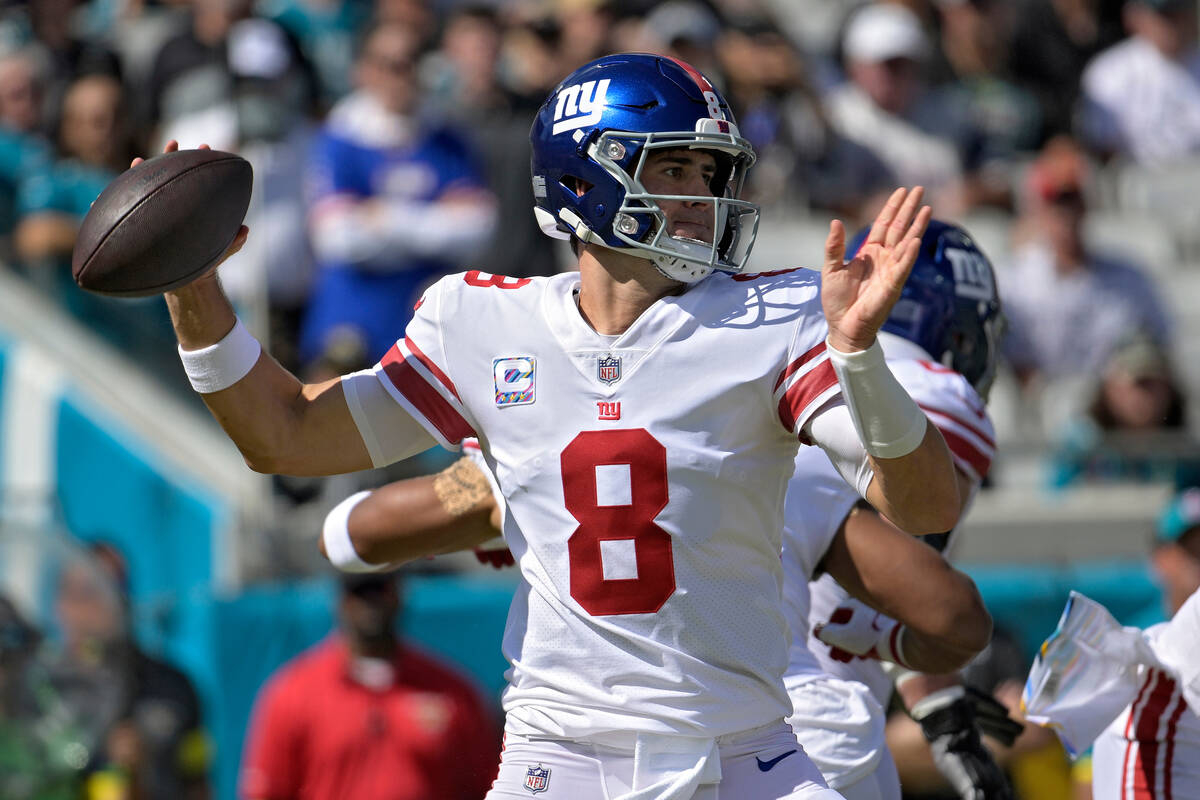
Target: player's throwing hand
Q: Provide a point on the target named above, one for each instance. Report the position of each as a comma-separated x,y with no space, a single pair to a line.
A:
858,295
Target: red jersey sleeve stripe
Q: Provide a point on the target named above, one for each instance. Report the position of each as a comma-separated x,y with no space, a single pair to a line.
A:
798,363
965,452
802,393
432,367
424,398
975,429
1146,731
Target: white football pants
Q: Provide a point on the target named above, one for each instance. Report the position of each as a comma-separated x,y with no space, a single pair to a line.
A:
766,763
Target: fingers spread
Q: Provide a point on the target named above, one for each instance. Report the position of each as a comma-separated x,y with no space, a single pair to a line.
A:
171,146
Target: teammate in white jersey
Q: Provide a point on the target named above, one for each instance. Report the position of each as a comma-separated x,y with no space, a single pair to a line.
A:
640,418
940,342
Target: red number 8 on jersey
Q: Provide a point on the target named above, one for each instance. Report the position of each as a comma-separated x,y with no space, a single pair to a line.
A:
622,513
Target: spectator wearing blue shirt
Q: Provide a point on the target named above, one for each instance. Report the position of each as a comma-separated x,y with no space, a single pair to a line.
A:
396,201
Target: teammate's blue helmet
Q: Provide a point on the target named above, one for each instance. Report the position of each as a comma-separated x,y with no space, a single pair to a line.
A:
590,142
949,306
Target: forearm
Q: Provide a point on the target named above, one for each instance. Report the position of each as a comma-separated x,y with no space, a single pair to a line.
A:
944,622
279,424
424,516
898,460
918,492
934,654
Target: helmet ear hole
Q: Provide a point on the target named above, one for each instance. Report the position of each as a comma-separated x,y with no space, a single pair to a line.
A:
577,186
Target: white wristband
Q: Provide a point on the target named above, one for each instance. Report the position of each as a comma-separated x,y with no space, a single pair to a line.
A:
889,423
336,535
221,365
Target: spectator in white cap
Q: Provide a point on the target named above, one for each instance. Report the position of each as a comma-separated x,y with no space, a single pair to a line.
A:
886,106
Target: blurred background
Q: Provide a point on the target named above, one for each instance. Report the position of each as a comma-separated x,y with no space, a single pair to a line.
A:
151,586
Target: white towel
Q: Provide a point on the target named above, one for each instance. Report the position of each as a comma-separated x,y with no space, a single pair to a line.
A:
1086,674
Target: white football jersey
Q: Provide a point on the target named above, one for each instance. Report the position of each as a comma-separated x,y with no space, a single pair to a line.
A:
958,411
1152,749
644,476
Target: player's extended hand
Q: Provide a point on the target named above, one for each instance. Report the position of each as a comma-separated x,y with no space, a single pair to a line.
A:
239,240
855,630
858,295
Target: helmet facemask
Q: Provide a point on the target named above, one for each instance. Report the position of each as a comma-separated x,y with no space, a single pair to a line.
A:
641,223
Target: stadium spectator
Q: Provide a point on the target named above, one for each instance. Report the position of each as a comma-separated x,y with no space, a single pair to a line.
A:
1141,97
21,92
1050,46
326,31
975,37
465,88
1069,306
64,54
192,71
24,150
364,715
1135,426
141,715
802,157
397,202
94,144
887,107
683,29
1176,553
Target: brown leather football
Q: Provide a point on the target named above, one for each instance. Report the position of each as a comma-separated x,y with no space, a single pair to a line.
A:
163,223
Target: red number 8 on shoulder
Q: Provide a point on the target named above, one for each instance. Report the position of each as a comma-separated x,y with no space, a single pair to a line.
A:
632,466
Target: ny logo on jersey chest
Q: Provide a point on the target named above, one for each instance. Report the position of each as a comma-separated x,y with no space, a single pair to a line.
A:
608,410
608,369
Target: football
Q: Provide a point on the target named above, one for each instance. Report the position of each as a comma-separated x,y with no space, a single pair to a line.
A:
163,223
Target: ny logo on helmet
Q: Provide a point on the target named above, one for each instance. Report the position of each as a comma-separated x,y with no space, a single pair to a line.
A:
580,105
972,275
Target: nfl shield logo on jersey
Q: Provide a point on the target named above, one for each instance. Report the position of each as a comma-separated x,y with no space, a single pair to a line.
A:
609,369
537,779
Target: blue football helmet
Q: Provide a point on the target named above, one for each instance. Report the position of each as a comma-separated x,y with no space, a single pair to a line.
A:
591,139
949,306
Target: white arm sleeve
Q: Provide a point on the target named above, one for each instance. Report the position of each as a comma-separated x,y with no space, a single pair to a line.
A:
387,429
832,429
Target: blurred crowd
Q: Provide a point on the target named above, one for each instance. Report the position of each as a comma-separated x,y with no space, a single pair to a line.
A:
389,140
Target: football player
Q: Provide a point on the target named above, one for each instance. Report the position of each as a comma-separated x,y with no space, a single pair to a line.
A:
640,417
941,342
838,721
